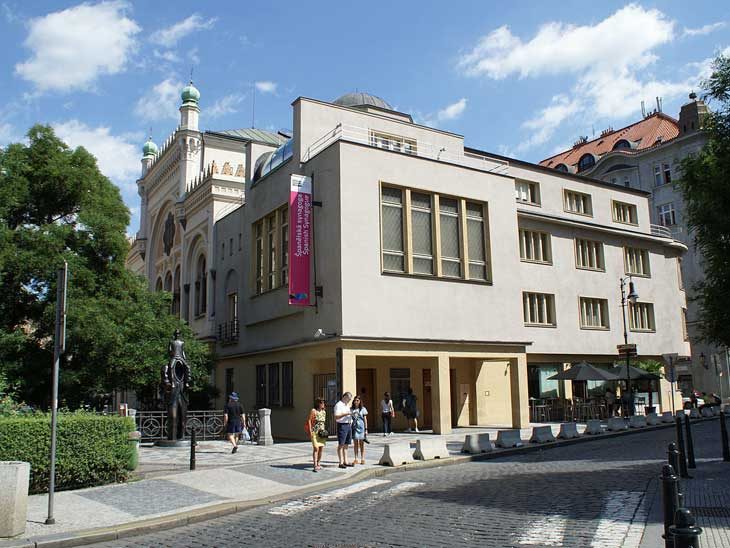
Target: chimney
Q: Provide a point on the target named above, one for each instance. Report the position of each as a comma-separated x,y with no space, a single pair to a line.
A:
692,115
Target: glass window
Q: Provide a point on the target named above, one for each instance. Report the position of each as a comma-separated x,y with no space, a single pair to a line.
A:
259,246
527,192
535,246
284,251
392,223
658,175
589,255
578,202
666,215
586,161
400,382
271,251
475,240
636,261
421,233
287,384
667,173
538,309
450,238
593,313
641,317
260,386
274,397
625,213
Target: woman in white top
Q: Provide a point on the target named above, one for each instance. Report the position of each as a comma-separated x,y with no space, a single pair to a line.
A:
388,412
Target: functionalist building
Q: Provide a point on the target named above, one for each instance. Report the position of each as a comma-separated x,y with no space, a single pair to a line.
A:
647,155
468,277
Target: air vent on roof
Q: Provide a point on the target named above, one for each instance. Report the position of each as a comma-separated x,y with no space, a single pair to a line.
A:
606,131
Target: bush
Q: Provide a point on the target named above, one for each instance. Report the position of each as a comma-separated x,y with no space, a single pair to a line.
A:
90,449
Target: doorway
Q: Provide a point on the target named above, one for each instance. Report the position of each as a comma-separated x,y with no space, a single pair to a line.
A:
427,415
365,381
454,398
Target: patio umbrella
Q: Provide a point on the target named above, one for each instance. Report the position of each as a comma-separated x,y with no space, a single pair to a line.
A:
584,371
636,373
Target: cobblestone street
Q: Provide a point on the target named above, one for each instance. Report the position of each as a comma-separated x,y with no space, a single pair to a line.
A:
591,494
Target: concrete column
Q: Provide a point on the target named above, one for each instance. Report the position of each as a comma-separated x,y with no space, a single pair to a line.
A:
566,387
265,437
14,480
346,371
441,393
518,388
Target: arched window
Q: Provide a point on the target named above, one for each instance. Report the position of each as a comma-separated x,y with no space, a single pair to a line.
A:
168,282
158,285
176,292
586,161
201,287
622,144
561,167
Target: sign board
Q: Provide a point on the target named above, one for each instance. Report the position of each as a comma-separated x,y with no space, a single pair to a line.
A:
625,349
300,239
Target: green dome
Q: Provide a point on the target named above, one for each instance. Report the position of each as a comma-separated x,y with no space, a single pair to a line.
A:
149,148
190,93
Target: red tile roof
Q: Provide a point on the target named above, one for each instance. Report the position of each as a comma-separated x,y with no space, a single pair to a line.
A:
651,131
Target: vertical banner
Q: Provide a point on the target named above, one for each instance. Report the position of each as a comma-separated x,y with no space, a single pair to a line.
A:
300,234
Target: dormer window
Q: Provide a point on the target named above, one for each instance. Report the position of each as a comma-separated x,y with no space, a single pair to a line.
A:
586,161
622,144
561,167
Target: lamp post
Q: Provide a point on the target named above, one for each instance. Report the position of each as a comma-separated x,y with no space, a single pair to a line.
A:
632,297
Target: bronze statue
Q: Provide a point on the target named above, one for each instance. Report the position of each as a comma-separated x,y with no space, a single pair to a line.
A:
175,382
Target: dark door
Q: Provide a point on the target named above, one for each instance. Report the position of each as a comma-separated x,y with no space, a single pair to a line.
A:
365,380
426,418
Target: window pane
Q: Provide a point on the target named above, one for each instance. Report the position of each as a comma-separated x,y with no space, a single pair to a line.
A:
274,384
475,231
450,236
392,195
421,232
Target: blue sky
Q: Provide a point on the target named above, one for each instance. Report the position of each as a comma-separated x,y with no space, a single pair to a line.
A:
524,79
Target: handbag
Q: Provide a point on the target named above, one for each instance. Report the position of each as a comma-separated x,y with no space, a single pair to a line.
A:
245,436
322,433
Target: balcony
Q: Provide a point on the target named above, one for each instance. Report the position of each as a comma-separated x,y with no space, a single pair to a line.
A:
228,332
407,146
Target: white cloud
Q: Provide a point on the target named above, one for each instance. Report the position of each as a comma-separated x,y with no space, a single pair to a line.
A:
9,14
266,86
225,105
170,36
168,55
118,158
705,29
543,126
73,47
8,134
452,111
161,102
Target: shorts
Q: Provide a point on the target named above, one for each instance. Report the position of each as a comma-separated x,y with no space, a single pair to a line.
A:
234,428
344,433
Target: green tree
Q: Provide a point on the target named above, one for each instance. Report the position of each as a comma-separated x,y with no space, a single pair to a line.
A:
705,185
56,205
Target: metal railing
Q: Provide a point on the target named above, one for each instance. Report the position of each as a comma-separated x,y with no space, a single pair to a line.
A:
661,231
228,332
404,145
208,425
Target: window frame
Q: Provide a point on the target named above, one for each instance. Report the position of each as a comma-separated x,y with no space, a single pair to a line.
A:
585,197
646,260
671,212
602,267
603,312
270,256
521,231
651,319
395,143
550,309
631,209
533,192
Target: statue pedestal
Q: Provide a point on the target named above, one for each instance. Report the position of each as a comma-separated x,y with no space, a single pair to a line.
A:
172,443
265,437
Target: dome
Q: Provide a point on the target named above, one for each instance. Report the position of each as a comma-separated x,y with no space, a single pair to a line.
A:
359,99
149,148
190,93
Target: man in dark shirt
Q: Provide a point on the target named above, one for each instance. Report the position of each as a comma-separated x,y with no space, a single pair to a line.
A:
234,418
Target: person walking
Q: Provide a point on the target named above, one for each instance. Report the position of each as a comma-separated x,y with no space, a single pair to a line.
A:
387,412
343,418
315,427
234,418
410,410
359,428
610,398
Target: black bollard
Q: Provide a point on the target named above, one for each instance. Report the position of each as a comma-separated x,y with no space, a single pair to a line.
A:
670,501
690,444
673,456
680,447
723,438
684,532
192,449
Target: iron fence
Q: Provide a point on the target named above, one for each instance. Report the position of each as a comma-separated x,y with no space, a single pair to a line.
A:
208,425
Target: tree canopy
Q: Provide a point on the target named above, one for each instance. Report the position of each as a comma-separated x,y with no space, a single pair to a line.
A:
705,185
56,205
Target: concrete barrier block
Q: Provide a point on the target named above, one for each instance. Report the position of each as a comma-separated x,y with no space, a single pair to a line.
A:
706,412
616,423
477,443
14,480
637,421
667,416
431,448
593,427
508,438
652,419
542,434
396,454
568,430
694,413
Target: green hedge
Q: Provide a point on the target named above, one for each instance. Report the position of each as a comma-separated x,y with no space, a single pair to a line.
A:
90,450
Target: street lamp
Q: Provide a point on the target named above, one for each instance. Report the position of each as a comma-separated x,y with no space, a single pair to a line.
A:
632,297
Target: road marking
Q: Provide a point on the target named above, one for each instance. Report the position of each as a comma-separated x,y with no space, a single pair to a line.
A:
620,509
547,531
297,506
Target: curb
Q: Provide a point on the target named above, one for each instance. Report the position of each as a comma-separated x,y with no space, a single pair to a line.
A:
132,529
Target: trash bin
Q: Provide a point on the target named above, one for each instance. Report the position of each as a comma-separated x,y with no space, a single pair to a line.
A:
14,480
133,440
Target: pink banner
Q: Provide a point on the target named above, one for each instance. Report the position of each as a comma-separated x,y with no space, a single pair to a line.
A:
300,234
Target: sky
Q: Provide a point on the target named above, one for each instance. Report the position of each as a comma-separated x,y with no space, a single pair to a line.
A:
522,79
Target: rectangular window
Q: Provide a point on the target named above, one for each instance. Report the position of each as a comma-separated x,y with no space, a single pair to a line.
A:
589,255
625,213
260,386
641,317
666,215
392,230
627,181
685,333
680,276
636,261
259,246
393,142
421,231
400,382
535,247
658,175
578,202
274,396
232,304
284,247
476,241
271,243
538,309
230,247
271,251
527,192
667,173
593,313
223,250
287,384
239,241
450,237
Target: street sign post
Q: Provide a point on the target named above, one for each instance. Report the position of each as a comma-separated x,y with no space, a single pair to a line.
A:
626,349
